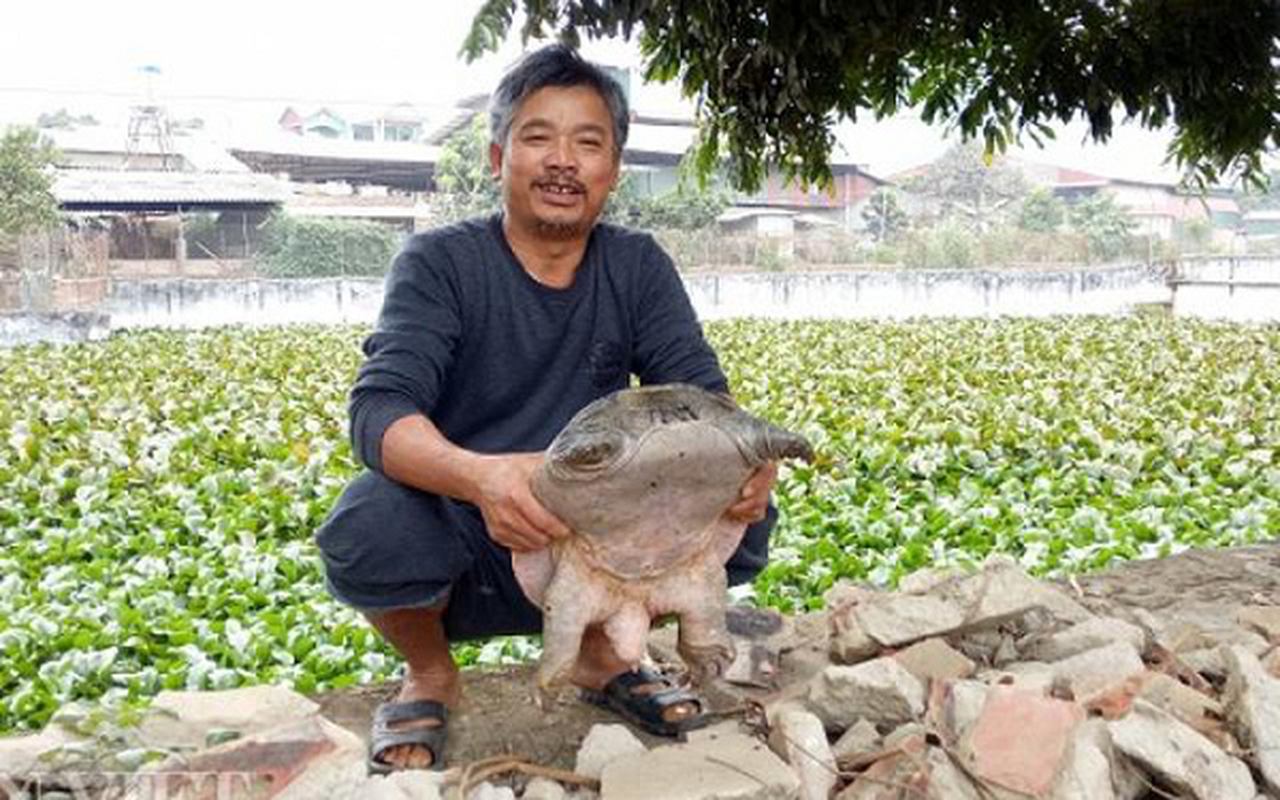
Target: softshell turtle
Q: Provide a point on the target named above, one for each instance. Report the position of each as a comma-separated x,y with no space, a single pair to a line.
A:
643,477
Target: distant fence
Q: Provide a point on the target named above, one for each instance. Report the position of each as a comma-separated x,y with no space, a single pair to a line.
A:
59,271
902,293
868,293
1239,288
64,287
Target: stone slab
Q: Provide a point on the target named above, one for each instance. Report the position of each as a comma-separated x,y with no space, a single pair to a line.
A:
1183,759
734,767
1252,698
934,659
183,719
881,691
1021,738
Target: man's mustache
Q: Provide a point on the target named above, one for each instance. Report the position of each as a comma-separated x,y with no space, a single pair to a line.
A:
559,182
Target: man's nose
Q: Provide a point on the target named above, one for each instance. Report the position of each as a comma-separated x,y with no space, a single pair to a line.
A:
561,154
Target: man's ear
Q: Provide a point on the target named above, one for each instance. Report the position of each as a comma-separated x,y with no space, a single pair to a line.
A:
495,160
617,173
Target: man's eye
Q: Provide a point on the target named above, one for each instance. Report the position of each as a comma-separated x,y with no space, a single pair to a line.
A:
536,138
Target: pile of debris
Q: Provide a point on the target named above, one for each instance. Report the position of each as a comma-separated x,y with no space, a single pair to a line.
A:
957,686
997,686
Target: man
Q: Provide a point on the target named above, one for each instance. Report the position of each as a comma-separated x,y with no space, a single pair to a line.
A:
493,333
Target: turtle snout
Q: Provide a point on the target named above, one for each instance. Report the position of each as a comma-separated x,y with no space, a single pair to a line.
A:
779,444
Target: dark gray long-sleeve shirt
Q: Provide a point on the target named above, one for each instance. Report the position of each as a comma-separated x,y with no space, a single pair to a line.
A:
500,362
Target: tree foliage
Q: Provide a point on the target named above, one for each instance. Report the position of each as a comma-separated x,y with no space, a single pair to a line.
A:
883,215
465,185
64,120
1263,199
1041,212
773,78
686,208
319,247
26,182
1107,230
970,187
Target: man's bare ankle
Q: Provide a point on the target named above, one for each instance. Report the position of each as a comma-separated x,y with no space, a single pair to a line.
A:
435,684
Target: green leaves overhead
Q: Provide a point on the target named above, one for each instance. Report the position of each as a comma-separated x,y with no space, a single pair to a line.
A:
773,78
159,491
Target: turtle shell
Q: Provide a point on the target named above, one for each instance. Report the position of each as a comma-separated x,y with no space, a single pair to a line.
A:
643,475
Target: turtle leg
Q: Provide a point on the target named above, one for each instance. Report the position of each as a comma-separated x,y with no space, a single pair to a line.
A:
628,631
571,603
704,641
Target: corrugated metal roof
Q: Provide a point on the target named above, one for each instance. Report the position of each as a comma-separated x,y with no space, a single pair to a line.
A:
345,149
101,187
201,151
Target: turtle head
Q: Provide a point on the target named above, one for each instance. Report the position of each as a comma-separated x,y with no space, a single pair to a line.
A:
774,444
759,441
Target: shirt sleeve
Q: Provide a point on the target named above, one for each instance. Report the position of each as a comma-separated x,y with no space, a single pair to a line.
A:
409,353
669,344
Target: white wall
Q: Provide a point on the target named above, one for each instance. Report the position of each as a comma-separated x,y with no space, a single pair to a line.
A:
1202,290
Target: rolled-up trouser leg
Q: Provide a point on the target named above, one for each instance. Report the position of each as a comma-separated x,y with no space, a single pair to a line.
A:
386,545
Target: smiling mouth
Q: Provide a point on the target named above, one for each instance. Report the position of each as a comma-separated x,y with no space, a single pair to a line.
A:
563,189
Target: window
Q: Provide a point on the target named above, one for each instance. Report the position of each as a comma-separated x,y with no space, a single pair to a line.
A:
400,132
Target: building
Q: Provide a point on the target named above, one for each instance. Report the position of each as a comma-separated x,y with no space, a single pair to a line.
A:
1159,210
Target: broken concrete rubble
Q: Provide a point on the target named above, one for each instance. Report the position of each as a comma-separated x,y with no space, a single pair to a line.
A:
604,744
1253,707
1262,619
861,739
735,767
1021,739
881,691
899,619
1089,769
1178,757
904,724
1092,672
1082,637
934,659
1196,709
799,738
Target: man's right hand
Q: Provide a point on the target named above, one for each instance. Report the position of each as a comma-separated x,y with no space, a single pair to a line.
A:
514,517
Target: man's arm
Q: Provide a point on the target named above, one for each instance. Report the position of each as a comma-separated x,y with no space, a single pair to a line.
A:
416,453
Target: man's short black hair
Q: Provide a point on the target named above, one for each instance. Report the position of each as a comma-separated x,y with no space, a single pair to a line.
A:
555,65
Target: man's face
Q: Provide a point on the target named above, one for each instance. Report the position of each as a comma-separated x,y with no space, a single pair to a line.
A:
559,162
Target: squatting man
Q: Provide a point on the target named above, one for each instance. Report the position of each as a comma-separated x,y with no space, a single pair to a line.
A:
492,334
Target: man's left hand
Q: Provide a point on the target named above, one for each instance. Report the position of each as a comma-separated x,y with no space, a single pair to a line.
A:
753,501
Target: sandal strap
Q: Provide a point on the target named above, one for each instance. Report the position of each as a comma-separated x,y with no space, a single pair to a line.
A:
430,738
666,692
411,711
644,675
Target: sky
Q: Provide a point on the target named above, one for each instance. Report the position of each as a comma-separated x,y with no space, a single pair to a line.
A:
238,64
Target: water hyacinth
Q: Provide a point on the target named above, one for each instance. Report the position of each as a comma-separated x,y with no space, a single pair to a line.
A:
159,490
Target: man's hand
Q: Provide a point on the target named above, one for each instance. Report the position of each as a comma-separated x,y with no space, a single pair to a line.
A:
514,517
753,502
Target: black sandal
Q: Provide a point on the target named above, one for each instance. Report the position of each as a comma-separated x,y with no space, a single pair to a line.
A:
384,736
644,709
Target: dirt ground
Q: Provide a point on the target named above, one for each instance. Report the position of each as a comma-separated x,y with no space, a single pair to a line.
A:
498,716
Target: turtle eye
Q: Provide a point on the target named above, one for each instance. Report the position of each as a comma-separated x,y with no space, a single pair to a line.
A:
586,452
